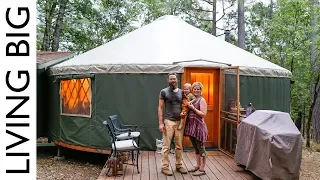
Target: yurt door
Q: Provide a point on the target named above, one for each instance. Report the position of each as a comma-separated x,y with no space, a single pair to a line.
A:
210,80
229,109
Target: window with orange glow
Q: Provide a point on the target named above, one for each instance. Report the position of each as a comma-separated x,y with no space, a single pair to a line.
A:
207,81
76,97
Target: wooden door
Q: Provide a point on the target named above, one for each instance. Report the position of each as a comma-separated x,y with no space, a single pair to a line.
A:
210,81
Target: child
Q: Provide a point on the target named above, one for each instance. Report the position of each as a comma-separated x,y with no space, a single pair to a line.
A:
188,98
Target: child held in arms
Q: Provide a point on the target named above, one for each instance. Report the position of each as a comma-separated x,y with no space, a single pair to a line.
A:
188,98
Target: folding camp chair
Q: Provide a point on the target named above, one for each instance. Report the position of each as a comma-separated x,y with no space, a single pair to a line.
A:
118,146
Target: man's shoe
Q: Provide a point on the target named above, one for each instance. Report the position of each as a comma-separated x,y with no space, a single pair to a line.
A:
182,170
166,172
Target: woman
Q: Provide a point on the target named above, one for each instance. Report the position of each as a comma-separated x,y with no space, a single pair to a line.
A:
196,128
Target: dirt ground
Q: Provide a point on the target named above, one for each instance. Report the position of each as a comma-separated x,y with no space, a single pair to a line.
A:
50,169
87,166
75,166
310,165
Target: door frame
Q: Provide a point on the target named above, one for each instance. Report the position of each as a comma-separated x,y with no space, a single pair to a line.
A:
221,101
185,79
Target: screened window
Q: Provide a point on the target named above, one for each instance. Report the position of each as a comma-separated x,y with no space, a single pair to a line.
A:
76,97
207,81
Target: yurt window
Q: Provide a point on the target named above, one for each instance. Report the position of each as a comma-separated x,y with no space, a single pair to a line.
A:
207,80
75,97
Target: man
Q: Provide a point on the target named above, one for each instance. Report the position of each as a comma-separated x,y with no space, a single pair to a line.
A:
169,110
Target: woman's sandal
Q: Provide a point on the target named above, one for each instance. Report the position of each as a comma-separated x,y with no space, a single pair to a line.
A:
199,173
194,169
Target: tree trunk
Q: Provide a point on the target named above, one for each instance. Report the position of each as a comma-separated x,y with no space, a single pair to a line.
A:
316,119
227,36
299,120
316,111
314,56
214,17
303,120
314,34
308,126
58,28
271,9
49,10
314,96
271,37
241,25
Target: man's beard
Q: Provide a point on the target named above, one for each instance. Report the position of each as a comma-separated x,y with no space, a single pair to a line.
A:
173,85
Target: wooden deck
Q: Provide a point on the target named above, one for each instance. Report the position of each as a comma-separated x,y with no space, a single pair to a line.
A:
218,166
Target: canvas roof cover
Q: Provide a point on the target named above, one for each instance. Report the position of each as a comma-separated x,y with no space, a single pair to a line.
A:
269,145
165,45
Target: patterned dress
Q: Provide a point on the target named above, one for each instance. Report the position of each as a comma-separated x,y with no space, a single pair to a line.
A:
195,125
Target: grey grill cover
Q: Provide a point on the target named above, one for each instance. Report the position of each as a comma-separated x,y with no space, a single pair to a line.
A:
269,145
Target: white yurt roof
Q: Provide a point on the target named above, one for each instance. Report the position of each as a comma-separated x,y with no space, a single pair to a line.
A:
165,45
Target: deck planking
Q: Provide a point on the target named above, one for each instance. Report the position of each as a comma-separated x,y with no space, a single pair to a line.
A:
218,167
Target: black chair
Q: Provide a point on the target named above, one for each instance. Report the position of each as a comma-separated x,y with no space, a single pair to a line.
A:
118,146
122,131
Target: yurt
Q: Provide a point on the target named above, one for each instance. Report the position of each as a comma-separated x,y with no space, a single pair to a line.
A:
125,76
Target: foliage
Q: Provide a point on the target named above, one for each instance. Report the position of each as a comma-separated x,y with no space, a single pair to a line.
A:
88,24
283,37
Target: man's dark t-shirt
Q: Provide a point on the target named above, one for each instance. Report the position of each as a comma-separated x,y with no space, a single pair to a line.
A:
172,103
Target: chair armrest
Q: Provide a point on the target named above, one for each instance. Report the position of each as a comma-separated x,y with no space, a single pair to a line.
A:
117,133
126,125
123,130
130,126
127,138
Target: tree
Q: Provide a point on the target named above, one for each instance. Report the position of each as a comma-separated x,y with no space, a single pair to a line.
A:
203,14
286,33
314,111
46,9
241,25
58,27
214,17
284,40
80,25
314,114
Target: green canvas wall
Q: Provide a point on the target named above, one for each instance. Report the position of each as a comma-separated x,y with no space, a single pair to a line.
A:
263,92
134,97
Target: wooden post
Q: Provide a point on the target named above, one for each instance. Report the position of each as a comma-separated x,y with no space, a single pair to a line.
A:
230,149
238,95
220,106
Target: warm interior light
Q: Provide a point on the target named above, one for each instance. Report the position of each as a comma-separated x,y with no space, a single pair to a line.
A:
75,96
207,81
